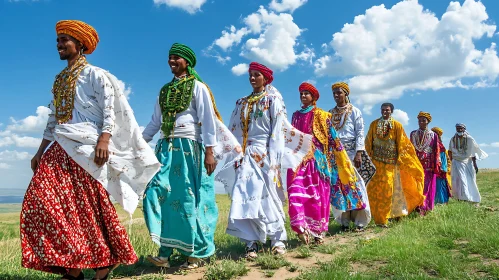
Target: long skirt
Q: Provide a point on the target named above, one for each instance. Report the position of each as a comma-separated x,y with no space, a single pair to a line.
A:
68,220
430,187
308,196
443,191
179,203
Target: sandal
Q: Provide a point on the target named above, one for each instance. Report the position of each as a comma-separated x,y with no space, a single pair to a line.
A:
159,261
279,250
252,251
304,237
71,277
319,240
191,263
110,269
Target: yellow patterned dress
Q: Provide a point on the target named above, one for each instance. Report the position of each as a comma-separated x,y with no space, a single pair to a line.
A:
397,186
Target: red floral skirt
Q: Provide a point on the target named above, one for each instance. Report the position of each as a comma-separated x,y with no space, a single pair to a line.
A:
68,220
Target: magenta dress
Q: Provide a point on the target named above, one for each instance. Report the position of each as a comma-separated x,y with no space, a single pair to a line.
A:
428,152
309,190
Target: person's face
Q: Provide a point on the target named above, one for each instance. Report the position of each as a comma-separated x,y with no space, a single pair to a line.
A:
306,98
256,79
67,46
178,65
423,122
339,95
460,129
386,112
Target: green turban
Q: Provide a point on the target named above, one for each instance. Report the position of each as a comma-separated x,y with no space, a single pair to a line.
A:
188,54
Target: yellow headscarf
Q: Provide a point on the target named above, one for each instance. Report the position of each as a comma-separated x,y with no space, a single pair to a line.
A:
438,131
342,85
81,31
425,114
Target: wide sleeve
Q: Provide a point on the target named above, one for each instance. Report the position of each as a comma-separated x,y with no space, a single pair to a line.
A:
277,138
436,153
408,161
369,140
343,164
48,133
359,131
206,115
154,125
104,90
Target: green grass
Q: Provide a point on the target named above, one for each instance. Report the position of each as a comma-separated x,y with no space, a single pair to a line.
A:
455,241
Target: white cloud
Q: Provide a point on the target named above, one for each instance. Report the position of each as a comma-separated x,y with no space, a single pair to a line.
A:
31,123
407,48
240,69
401,116
7,138
493,154
13,155
286,5
231,37
190,6
127,90
493,145
272,40
4,165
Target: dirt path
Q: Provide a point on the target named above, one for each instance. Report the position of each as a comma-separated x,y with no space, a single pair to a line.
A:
335,242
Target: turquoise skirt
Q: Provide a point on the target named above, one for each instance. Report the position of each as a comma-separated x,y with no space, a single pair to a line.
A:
179,203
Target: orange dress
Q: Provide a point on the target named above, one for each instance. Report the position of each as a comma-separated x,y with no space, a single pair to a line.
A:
396,188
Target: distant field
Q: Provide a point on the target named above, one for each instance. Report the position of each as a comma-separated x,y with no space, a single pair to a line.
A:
455,241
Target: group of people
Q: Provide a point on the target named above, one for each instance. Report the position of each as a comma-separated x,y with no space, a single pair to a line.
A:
93,148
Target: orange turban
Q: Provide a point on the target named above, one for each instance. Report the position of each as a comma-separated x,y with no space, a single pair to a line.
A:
81,31
342,85
424,115
310,88
438,131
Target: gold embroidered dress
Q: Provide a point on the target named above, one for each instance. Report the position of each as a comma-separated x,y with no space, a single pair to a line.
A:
396,188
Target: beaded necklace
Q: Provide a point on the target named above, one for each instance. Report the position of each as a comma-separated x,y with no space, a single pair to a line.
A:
461,143
422,139
175,97
340,115
64,90
247,107
383,127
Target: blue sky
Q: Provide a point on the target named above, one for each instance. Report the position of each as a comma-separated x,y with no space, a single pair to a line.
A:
436,56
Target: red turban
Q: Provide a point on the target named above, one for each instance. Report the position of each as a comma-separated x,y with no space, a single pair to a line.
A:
266,72
310,88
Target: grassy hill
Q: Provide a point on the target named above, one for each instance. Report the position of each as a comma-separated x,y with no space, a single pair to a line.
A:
455,241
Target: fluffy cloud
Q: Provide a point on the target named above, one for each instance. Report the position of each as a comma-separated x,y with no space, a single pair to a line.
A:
272,40
286,5
190,6
127,90
388,52
19,141
4,165
240,69
401,116
31,123
493,145
13,155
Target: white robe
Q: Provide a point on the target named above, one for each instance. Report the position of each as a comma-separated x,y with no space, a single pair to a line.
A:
255,186
463,175
100,106
352,137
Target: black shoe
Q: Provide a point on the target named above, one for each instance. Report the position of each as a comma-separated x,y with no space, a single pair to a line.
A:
71,277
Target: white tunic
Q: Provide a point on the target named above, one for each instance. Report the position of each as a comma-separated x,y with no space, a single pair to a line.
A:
100,106
463,175
254,180
197,122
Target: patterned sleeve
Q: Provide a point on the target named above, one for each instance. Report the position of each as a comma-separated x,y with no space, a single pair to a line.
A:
359,131
104,93
277,139
369,140
154,125
206,115
48,133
